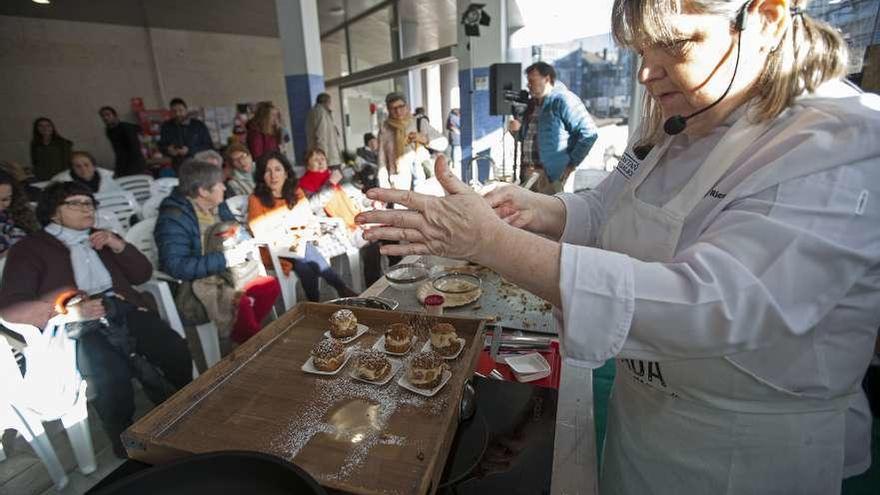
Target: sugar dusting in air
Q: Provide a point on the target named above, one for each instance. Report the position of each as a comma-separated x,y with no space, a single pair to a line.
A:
339,389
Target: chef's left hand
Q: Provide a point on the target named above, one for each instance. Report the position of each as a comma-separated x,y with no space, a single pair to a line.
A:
458,225
101,238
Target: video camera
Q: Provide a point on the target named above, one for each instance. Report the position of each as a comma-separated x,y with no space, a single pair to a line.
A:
518,99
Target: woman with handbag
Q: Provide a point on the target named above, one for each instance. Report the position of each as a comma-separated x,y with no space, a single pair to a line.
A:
119,335
185,216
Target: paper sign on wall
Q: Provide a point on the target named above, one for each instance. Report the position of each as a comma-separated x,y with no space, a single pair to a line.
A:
481,83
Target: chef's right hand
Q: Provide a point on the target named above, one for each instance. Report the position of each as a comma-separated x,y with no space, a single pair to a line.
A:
514,126
86,310
527,210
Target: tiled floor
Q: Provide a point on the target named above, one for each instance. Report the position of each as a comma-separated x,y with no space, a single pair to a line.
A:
22,473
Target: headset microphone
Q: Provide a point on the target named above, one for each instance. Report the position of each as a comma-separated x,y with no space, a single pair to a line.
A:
677,123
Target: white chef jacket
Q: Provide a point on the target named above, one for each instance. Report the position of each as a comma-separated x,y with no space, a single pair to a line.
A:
777,268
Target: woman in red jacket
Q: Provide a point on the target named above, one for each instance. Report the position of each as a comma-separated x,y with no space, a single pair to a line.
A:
68,254
264,130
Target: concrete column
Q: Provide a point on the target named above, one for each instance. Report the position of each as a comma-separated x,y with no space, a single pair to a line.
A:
484,137
433,97
449,97
303,65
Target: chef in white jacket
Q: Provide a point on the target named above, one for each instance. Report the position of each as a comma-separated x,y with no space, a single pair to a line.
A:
731,264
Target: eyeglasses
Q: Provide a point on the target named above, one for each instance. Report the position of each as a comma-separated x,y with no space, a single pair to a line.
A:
82,205
397,107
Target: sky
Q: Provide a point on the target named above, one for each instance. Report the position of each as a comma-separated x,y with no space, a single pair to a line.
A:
561,20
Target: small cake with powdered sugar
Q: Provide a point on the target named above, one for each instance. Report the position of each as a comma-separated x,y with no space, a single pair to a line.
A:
343,324
373,366
425,370
328,355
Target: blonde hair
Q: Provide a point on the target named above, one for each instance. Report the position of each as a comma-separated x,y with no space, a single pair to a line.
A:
809,53
262,119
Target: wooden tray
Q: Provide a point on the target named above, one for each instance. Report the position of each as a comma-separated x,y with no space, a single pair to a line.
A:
351,436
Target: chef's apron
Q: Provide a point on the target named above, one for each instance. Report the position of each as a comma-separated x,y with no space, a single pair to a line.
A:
708,425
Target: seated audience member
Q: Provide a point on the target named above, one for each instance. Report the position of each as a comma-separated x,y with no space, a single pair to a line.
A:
264,130
184,217
16,217
318,174
276,209
241,179
50,153
114,324
126,142
369,151
209,156
83,170
183,136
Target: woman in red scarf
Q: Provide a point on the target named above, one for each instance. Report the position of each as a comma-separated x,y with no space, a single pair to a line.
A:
317,173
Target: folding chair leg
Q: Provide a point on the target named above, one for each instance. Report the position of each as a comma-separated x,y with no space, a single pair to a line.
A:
77,425
36,437
210,342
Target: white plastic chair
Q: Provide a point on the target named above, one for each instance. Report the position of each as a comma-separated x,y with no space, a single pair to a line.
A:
287,282
50,389
164,185
141,186
141,236
121,203
105,219
238,205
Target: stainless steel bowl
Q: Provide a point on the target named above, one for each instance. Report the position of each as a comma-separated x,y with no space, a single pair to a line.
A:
406,276
367,302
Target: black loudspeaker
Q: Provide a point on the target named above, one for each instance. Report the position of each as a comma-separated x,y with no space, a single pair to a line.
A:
503,77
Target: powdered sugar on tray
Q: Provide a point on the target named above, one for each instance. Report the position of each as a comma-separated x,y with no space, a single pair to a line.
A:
332,392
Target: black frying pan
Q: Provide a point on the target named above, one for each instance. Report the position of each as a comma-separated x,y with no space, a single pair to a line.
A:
219,473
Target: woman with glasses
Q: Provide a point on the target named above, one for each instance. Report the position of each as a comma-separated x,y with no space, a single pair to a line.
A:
70,254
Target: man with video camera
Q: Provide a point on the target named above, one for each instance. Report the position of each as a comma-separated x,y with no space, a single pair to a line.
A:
556,131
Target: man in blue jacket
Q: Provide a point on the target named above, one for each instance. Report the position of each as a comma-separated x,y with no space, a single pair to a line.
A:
183,136
557,132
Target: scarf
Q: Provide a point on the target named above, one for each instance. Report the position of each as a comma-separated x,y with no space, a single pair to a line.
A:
9,232
400,134
313,181
94,184
244,181
89,271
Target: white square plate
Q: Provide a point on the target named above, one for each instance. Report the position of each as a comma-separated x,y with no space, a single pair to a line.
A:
309,366
380,346
404,382
527,364
361,329
429,347
395,367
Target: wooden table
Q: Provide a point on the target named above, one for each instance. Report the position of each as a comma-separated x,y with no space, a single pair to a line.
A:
350,436
574,455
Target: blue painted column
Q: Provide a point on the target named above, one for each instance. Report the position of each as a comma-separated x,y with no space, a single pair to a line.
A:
303,65
487,49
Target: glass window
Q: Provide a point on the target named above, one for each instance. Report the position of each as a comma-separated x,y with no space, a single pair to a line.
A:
371,40
334,55
602,75
364,108
856,20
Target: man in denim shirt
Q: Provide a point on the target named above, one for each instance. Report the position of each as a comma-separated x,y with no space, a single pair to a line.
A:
557,132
